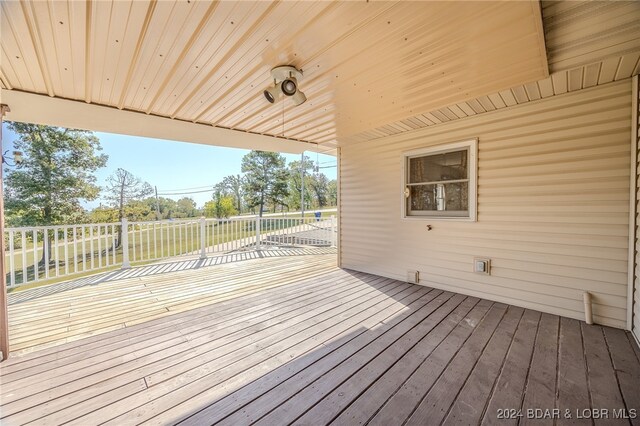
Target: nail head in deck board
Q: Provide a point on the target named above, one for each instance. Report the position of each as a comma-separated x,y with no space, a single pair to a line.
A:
331,405
573,388
540,391
318,363
603,384
404,400
470,403
374,397
433,407
510,386
626,367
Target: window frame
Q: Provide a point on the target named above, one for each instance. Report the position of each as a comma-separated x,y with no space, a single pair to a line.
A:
472,146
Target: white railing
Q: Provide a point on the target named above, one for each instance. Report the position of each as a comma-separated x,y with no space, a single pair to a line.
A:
46,253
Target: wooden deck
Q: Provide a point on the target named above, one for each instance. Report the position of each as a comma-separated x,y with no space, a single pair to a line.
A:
296,340
49,316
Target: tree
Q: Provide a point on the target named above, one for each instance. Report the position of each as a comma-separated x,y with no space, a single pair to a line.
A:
103,215
234,184
265,179
122,188
186,207
223,204
318,185
57,172
332,192
295,186
222,207
209,209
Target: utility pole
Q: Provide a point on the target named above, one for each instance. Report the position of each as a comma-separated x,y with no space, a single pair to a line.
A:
4,305
158,217
302,183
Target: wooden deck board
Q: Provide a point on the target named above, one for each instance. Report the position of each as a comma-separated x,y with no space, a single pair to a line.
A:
282,340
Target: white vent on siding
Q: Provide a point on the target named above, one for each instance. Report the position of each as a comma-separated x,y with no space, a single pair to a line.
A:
413,277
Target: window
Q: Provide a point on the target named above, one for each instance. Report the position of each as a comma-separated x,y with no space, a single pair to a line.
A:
440,182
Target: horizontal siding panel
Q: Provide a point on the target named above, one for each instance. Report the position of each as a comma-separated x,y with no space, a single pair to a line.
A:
553,206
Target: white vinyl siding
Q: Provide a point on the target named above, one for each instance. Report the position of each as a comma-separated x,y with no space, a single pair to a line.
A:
553,206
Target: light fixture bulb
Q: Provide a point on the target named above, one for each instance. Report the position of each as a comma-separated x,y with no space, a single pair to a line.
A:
272,93
289,86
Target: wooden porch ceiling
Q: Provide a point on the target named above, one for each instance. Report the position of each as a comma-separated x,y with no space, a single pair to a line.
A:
365,63
340,348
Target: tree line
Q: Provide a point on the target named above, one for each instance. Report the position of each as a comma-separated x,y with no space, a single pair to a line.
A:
58,173
267,183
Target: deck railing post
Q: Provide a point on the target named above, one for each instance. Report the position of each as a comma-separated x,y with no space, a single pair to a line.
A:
203,239
125,243
258,232
333,231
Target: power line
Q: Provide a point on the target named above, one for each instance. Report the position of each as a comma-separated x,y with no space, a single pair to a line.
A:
187,189
185,193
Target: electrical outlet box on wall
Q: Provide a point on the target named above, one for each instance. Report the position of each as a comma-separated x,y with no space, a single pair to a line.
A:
482,265
413,277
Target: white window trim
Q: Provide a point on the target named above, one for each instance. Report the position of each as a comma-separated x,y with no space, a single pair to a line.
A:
472,145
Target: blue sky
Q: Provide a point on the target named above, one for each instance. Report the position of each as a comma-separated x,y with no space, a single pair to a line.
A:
174,166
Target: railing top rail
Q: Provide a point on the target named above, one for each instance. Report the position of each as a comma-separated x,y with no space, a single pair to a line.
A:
168,221
53,227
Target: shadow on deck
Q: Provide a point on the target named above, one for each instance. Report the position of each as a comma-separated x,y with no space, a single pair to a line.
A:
166,266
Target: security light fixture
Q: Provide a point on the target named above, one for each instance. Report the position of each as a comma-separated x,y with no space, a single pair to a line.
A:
285,82
272,93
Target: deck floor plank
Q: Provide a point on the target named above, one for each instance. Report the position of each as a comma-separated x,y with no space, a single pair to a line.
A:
604,389
152,359
440,397
342,396
509,389
402,403
170,390
369,402
626,367
287,380
469,406
573,386
278,340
